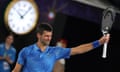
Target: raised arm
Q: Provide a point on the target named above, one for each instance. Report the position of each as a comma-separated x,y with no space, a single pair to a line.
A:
89,46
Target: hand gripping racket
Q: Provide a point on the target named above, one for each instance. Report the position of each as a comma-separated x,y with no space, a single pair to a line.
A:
107,21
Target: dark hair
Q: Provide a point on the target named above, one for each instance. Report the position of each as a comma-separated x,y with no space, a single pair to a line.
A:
44,27
9,34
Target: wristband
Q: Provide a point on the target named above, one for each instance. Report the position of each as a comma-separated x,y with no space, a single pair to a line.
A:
96,44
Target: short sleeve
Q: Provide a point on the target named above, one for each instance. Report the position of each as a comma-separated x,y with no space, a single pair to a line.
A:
21,57
62,52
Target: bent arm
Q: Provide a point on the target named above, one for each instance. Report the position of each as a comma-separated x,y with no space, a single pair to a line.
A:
17,68
9,60
1,58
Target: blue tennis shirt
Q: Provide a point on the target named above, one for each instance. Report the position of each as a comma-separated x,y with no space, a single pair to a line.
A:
11,52
34,60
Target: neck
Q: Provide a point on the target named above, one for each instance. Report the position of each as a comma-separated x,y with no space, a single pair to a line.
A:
7,46
41,46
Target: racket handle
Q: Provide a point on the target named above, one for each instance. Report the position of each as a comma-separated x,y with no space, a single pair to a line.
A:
104,55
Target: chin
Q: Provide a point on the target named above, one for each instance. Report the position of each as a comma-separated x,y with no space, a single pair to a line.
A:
46,44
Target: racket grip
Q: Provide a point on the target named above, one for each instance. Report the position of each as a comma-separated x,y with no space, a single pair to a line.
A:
104,55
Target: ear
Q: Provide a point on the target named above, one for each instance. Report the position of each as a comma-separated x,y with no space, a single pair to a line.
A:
38,35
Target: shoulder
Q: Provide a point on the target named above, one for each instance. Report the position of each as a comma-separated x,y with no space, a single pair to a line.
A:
53,47
57,48
27,49
13,49
1,45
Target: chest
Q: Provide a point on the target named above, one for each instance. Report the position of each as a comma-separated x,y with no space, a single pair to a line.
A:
41,56
5,52
40,61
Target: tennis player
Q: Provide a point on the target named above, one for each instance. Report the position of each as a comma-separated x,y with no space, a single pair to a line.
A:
40,57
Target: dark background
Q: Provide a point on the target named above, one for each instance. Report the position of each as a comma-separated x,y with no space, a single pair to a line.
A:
79,24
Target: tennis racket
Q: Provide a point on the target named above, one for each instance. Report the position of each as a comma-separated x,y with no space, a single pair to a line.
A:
107,21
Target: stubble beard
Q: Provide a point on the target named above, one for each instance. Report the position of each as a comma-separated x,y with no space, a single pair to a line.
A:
45,43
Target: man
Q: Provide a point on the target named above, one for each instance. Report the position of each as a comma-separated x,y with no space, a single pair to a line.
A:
40,57
7,54
60,64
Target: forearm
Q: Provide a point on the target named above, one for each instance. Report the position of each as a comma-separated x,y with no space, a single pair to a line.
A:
82,48
10,61
1,58
89,46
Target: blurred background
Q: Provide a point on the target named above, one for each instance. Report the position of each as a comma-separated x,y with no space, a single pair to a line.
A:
78,21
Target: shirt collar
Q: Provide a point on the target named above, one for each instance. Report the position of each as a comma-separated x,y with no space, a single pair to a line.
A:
36,48
8,48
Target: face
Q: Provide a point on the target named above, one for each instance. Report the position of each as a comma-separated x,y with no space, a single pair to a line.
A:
9,39
45,38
